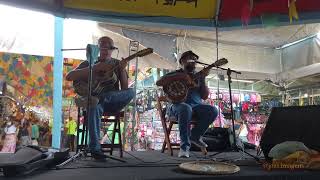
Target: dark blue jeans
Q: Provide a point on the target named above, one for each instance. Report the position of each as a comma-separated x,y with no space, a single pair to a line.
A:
205,115
110,102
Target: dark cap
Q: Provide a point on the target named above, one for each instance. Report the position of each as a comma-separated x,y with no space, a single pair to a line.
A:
190,54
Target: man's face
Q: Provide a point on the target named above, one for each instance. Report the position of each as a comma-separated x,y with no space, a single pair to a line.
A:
189,64
106,48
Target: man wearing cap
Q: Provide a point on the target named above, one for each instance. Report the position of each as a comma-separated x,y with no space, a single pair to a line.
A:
205,114
117,96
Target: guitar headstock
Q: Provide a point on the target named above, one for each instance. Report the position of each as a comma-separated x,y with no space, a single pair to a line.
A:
144,52
221,62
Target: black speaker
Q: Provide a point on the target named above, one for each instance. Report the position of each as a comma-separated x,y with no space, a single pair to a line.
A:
292,124
217,139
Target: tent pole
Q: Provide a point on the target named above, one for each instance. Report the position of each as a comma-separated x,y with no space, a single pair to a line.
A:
217,53
57,82
134,46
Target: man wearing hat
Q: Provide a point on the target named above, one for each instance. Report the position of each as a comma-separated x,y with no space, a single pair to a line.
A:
115,97
205,114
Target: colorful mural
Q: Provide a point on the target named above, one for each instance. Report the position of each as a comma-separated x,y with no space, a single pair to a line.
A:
32,77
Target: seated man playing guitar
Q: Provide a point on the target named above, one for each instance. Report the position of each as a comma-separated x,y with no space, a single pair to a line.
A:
205,114
112,99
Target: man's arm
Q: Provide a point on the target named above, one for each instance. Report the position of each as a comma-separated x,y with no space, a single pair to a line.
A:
123,79
161,81
204,90
81,72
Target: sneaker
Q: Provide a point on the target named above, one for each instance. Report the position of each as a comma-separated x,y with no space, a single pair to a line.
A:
203,143
184,153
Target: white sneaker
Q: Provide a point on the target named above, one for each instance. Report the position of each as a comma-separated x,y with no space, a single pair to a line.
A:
184,153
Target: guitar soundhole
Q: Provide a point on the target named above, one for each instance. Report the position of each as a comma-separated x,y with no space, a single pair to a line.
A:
176,88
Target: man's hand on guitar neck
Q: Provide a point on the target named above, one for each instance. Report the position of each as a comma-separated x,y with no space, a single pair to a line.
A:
205,72
123,64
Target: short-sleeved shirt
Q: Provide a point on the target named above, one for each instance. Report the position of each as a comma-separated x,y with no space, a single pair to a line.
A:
72,127
112,61
35,131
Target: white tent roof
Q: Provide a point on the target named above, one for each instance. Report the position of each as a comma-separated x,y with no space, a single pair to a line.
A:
268,37
252,51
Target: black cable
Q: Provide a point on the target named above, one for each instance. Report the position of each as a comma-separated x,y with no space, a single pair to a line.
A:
141,160
121,166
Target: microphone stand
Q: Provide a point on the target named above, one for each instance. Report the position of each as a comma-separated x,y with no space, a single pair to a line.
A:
234,146
82,149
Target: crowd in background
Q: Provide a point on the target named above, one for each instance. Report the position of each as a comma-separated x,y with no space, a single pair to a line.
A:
22,130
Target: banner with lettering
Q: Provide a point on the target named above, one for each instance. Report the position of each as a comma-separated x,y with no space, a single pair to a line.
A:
197,9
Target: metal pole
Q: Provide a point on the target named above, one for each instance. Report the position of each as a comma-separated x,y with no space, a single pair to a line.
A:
135,45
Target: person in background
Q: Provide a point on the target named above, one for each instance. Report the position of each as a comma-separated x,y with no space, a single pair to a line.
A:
35,132
44,134
25,132
10,137
71,130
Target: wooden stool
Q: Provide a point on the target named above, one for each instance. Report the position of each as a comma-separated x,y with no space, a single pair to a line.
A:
167,128
113,118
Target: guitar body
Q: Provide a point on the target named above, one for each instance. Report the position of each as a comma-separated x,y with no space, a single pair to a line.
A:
105,80
177,86
101,82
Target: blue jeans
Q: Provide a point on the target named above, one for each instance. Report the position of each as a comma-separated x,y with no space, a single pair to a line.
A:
205,115
110,102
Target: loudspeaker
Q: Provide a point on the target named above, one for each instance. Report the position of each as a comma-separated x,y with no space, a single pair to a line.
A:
217,139
292,124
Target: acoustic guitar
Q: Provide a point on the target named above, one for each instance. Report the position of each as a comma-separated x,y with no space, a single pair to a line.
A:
177,85
104,80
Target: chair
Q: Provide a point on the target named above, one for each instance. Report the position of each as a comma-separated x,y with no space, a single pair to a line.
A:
167,128
106,118
116,119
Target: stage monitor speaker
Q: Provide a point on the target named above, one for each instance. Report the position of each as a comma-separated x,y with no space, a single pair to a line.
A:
292,124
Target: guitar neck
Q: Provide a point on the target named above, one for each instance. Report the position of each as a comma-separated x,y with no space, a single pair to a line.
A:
204,69
129,58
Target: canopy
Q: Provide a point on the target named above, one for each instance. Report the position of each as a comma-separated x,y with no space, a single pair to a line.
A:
259,53
183,13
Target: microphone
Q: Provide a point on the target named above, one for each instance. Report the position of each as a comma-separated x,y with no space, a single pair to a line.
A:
110,48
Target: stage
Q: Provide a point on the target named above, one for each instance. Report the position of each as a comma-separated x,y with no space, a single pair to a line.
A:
156,165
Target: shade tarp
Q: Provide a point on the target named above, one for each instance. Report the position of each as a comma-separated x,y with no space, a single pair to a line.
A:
240,58
164,45
303,54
